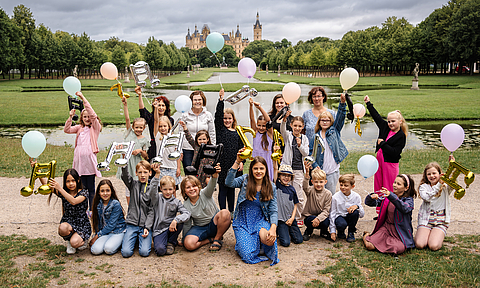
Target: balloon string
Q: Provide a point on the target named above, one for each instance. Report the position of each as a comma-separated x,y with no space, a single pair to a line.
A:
219,65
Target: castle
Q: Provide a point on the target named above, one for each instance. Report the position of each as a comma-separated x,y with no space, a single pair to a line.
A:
197,40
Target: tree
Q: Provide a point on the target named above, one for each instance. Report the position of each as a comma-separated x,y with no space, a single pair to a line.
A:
317,57
152,55
11,48
230,56
111,43
256,50
282,44
24,20
288,53
86,52
118,58
134,57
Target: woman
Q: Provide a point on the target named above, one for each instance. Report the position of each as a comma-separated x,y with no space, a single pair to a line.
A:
317,96
163,105
277,104
196,119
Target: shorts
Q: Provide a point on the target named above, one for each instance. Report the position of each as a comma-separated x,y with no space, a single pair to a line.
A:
203,232
442,227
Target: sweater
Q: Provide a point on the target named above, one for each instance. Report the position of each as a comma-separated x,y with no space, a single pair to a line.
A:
318,202
165,211
77,129
195,123
427,193
289,139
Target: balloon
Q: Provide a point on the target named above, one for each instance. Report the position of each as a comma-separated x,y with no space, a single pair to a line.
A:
452,136
358,110
183,103
33,143
71,85
348,78
109,71
247,67
291,92
367,165
215,42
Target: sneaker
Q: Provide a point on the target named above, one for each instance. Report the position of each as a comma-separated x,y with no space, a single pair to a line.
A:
341,235
351,237
300,223
83,247
170,249
70,249
306,236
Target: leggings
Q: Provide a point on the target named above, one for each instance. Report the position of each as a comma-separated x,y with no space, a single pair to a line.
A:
88,182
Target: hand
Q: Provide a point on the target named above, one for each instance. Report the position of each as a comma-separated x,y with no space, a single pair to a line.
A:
276,147
93,240
138,90
451,158
299,141
250,101
156,167
240,166
124,101
343,98
352,209
289,222
366,99
315,222
221,94
271,236
286,115
32,161
374,196
72,112
333,236
173,226
379,141
145,233
217,170
257,104
385,191
184,126
178,173
239,159
79,94
136,151
54,184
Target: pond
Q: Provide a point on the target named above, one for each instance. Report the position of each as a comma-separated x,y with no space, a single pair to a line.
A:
421,134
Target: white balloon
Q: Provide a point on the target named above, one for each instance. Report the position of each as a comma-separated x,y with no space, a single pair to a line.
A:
358,110
348,78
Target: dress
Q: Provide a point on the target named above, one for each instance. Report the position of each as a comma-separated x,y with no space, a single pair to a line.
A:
144,144
84,160
386,238
266,154
76,215
246,225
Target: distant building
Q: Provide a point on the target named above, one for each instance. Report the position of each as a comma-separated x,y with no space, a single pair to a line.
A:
234,39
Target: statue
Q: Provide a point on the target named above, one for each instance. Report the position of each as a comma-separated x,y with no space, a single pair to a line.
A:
75,73
278,71
127,78
267,69
415,77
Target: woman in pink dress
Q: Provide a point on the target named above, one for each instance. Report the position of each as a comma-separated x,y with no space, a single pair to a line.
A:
86,147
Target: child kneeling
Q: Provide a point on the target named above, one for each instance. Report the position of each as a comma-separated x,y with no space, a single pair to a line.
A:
319,201
346,209
287,202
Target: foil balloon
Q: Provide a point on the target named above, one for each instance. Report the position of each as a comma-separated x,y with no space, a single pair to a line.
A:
109,71
171,140
247,67
450,177
72,85
348,78
247,153
141,71
367,166
33,143
452,136
215,42
125,148
241,94
359,112
75,103
120,92
291,92
183,103
277,138
207,151
36,173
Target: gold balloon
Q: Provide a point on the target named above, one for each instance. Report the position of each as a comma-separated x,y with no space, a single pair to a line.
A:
358,130
247,153
450,177
36,173
277,138
120,93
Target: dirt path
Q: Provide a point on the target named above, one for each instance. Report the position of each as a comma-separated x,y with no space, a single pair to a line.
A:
31,216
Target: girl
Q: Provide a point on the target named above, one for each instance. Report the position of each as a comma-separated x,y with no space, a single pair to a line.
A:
74,226
108,222
334,151
392,137
434,214
256,214
86,148
163,105
207,224
134,133
225,124
393,230
296,148
168,167
196,119
317,96
262,146
277,104
202,137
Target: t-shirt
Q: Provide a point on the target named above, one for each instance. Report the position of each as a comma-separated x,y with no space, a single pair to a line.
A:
286,199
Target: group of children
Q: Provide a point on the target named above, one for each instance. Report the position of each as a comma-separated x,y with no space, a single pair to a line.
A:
274,209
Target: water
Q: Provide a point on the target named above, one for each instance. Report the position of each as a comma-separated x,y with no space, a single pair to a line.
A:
421,134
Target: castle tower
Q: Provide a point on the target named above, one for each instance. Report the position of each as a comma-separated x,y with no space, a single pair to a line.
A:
257,30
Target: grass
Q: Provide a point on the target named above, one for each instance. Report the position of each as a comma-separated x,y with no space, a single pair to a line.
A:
230,87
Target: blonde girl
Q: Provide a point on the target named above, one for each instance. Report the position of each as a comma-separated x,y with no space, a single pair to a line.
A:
134,133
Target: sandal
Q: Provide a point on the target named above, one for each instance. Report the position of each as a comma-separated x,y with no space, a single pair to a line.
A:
216,245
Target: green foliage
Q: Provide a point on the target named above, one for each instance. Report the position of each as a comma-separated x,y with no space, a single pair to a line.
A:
257,49
118,58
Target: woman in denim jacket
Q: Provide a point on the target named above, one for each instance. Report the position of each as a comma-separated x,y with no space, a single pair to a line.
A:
256,215
108,222
334,151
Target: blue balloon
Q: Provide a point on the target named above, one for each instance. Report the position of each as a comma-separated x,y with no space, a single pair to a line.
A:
215,42
33,143
367,165
71,85
183,103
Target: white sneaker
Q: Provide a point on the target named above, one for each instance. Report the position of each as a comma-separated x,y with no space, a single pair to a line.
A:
70,249
84,246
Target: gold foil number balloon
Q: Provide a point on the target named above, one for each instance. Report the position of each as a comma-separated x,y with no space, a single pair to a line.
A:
450,177
247,153
36,173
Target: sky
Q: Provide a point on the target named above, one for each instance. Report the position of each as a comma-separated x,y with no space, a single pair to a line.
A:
136,21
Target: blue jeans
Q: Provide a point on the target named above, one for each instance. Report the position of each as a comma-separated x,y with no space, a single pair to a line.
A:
128,245
323,225
109,244
187,158
226,194
160,241
350,220
285,233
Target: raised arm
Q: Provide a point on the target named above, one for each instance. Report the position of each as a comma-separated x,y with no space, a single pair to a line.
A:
125,112
265,115
155,122
219,115
253,123
138,90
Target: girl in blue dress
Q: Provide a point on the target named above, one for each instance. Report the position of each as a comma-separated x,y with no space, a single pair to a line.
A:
256,214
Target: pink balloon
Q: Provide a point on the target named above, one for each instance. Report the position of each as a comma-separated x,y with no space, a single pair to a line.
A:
452,136
291,92
247,67
109,71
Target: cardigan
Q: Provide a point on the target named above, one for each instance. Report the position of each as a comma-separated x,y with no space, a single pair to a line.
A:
77,129
427,193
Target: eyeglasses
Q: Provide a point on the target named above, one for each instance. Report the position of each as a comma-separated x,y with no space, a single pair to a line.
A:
325,120
317,96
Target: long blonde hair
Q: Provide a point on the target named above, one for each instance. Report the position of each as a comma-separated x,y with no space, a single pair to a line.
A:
404,125
166,120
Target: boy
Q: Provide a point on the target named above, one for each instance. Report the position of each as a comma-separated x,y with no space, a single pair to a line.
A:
346,209
166,224
287,202
140,209
319,200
